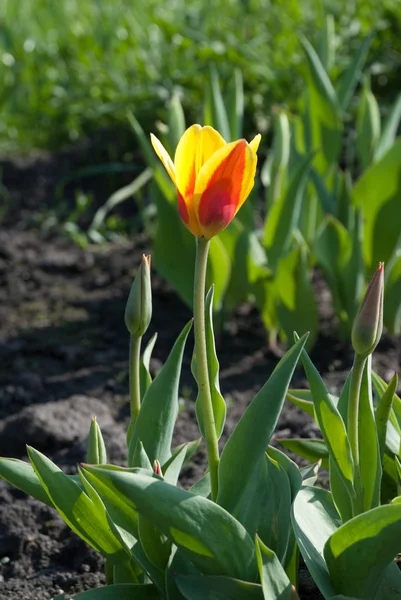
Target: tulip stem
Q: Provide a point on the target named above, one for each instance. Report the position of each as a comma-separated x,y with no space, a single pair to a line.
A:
353,425
205,397
134,379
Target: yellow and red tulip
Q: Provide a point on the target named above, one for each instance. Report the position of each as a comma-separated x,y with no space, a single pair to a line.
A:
213,178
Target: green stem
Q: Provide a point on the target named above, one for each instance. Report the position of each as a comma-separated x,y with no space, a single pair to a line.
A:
134,379
205,398
353,426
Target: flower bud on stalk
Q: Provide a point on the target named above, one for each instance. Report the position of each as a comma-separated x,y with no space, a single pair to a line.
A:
138,311
96,450
368,324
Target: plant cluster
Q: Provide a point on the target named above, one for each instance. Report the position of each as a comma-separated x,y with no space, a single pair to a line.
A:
331,201
239,530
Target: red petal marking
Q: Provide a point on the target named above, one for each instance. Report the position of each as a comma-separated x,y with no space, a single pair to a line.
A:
219,201
182,209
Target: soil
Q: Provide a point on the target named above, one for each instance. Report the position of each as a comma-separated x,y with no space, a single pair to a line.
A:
63,359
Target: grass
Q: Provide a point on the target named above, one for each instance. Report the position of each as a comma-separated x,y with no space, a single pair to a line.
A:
73,66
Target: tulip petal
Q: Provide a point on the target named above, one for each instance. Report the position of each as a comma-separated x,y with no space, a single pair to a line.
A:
195,148
254,144
185,160
164,157
221,185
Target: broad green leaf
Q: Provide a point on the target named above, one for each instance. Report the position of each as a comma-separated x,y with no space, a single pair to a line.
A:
289,466
350,77
171,471
266,505
144,374
190,450
208,535
235,105
156,575
275,583
369,452
218,588
284,215
380,206
332,428
315,518
201,487
249,440
87,518
296,300
367,127
383,412
390,129
311,449
322,113
155,545
309,474
179,565
140,459
156,419
22,476
303,399
365,546
218,403
353,274
275,169
96,449
392,305
122,591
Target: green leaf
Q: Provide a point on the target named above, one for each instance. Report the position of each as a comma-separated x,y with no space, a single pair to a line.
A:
351,76
380,206
365,546
140,458
296,300
171,470
323,113
202,486
311,449
209,536
249,440
367,127
327,43
284,215
333,430
392,305
303,399
144,374
289,466
156,419
220,118
218,588
315,519
176,122
155,545
369,452
179,565
22,476
235,105
218,403
390,129
82,515
122,591
383,412
275,583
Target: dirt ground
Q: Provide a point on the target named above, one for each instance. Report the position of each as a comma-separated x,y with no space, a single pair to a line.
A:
63,359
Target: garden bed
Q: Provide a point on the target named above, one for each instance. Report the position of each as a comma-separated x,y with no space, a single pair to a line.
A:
63,356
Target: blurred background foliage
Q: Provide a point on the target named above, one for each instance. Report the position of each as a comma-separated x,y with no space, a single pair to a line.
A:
70,67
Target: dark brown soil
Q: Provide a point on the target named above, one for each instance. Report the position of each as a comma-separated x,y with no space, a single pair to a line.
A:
63,358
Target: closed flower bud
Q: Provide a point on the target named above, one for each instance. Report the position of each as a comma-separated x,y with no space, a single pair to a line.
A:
368,324
157,468
96,450
138,311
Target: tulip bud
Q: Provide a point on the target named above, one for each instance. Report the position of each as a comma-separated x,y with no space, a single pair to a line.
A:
157,468
96,450
138,311
368,324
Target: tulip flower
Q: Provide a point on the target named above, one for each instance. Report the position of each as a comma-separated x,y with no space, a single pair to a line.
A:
213,178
